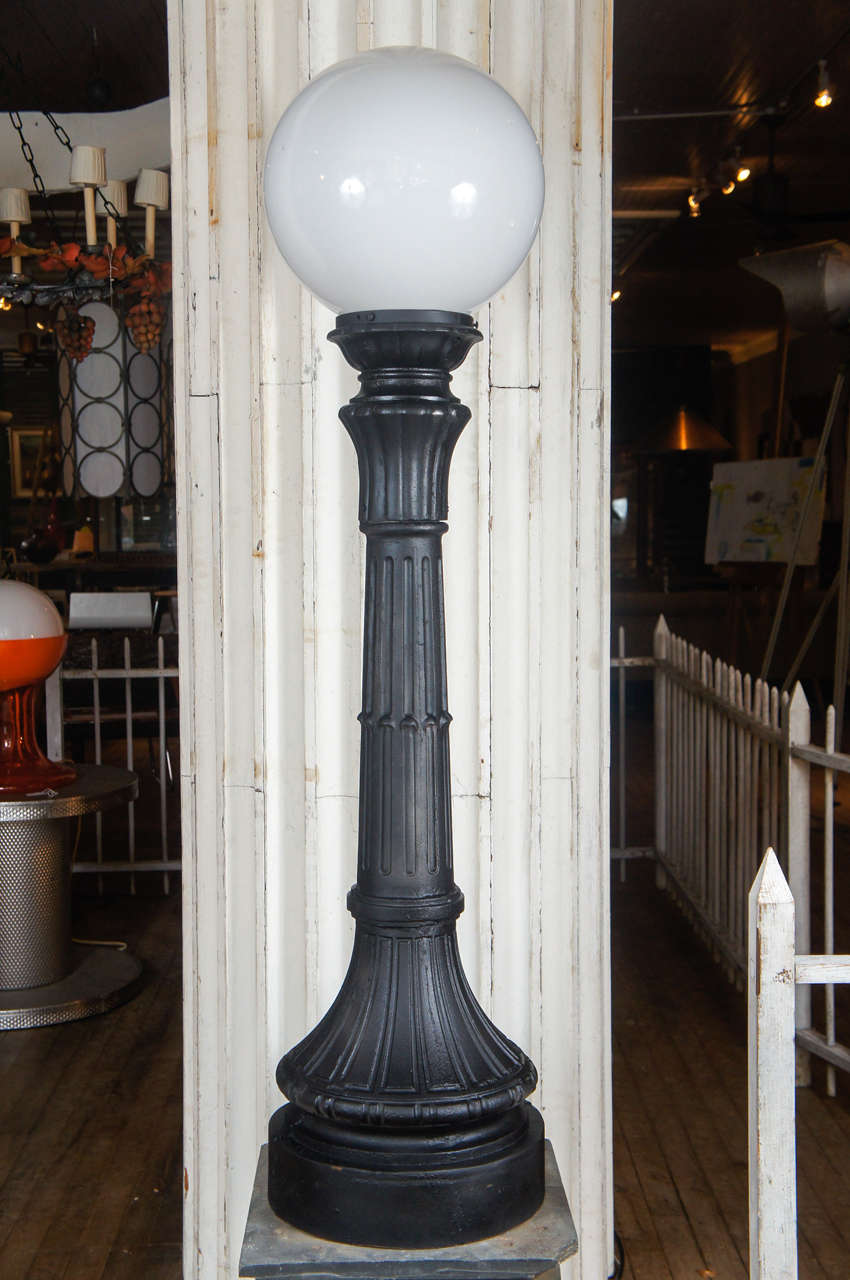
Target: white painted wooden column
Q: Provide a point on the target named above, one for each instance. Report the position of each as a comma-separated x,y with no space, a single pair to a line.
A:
271,588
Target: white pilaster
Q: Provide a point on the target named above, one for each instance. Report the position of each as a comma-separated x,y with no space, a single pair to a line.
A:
271,590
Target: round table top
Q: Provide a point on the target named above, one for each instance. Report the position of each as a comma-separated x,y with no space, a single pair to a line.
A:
96,786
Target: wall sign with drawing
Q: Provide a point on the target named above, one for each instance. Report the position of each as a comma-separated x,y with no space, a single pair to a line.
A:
755,511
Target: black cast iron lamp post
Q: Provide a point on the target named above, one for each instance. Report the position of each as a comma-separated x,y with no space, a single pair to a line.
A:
404,187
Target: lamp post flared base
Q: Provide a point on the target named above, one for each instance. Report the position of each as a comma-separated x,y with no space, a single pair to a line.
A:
406,1189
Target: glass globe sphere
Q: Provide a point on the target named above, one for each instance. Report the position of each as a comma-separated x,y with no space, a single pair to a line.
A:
32,637
32,642
404,179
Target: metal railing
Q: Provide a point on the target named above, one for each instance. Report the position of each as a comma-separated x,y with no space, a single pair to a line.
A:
622,851
146,722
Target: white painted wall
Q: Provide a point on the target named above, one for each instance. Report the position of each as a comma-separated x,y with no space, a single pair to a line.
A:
270,561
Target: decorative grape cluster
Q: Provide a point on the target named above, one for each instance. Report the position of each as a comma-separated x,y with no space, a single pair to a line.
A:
145,320
75,333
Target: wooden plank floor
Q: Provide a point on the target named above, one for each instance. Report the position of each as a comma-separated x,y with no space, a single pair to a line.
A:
680,1110
90,1116
90,1161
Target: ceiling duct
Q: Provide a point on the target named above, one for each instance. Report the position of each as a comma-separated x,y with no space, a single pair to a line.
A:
814,281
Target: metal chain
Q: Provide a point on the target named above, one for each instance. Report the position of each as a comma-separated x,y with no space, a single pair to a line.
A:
58,130
37,182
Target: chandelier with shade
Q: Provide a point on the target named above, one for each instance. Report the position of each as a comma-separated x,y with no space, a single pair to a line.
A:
109,297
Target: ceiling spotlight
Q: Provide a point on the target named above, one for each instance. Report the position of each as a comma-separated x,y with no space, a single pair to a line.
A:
693,205
616,293
823,97
728,187
742,174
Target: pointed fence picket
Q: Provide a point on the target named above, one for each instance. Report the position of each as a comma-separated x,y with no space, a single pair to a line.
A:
771,1101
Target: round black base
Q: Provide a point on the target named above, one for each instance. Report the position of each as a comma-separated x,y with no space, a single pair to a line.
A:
406,1189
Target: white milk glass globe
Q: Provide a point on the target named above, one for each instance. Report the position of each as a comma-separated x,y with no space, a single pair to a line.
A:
26,613
404,179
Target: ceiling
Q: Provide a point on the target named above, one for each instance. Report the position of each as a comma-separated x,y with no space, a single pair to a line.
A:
674,61
82,55
756,63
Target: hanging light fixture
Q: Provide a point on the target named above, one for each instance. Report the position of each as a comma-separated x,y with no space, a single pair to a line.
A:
90,271
113,412
823,97
112,408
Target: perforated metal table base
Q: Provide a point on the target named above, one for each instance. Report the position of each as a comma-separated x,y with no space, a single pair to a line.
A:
102,977
43,978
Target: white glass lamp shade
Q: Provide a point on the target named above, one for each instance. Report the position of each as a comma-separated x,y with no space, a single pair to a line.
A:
32,642
404,178
27,614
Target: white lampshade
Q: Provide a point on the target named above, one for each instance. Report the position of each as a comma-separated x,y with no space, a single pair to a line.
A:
115,192
152,188
404,178
88,166
14,205
27,614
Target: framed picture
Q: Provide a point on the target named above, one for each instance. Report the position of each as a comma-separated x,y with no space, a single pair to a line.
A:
25,448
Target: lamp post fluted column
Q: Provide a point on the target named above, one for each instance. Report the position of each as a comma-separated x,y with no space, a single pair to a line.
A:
407,1124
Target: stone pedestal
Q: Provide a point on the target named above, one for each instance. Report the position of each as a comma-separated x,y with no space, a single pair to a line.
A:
278,1251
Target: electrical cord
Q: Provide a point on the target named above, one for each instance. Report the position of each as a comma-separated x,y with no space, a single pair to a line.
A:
99,942
91,942
619,1259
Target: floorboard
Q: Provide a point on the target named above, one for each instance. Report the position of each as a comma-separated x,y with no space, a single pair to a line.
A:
90,1116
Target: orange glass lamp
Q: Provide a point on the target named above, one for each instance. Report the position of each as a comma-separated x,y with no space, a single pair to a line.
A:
32,642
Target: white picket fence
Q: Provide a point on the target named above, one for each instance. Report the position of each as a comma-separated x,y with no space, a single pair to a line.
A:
733,761
777,973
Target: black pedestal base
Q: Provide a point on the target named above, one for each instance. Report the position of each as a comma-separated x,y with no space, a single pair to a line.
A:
406,1189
